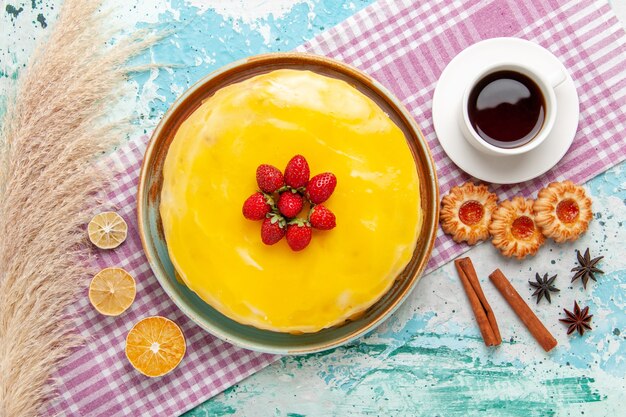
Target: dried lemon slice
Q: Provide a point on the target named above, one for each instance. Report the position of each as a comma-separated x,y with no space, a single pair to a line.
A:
112,291
107,230
155,346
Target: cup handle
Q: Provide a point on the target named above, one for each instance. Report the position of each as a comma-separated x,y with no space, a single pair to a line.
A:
557,78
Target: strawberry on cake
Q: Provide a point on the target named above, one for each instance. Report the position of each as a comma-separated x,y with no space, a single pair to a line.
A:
290,202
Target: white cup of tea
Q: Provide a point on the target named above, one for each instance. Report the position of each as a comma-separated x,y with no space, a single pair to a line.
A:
509,108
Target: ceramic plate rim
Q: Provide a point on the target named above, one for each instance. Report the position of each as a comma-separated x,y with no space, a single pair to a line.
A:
167,284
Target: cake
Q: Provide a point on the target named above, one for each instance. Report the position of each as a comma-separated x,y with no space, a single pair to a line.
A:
209,172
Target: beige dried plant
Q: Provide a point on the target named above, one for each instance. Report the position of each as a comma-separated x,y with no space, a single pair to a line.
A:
55,127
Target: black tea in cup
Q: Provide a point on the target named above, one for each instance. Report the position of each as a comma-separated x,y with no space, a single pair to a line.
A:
506,109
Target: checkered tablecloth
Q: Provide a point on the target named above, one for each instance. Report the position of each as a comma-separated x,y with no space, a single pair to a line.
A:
405,45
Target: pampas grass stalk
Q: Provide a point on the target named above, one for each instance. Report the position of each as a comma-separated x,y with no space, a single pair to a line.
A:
54,128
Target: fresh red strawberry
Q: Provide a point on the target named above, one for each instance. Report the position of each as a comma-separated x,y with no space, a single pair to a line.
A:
297,172
322,218
269,178
298,234
290,204
320,188
257,206
273,229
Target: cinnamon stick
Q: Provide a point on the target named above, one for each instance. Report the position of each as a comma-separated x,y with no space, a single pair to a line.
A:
479,312
470,273
526,315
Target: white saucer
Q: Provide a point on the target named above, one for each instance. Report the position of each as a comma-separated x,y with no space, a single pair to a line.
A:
447,105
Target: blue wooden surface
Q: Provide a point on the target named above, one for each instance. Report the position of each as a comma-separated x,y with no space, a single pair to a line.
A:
428,359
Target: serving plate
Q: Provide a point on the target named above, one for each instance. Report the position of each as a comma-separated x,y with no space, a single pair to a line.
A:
153,240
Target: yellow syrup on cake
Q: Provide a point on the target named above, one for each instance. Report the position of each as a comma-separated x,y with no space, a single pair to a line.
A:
209,172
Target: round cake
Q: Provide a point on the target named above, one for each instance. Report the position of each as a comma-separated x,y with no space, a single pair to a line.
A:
209,172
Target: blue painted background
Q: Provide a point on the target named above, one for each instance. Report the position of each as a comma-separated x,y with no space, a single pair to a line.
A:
428,359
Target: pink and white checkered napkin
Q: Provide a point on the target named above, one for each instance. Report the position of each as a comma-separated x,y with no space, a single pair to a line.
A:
405,45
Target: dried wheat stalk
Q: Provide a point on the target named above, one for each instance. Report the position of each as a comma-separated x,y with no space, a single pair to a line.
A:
52,132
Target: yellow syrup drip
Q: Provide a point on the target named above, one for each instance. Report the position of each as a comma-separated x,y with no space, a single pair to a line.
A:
210,171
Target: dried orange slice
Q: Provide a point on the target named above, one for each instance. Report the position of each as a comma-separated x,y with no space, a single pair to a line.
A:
112,291
155,346
107,230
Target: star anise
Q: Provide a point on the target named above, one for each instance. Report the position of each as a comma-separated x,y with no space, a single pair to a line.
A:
578,320
543,287
587,268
